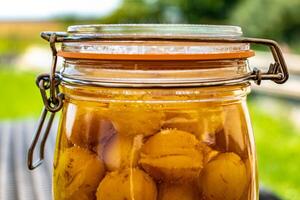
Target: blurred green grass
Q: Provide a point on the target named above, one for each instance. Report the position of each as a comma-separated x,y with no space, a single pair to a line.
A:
19,95
277,141
278,149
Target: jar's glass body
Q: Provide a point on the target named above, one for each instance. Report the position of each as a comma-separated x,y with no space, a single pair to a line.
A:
153,112
191,143
136,125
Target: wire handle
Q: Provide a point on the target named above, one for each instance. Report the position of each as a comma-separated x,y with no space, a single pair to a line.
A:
30,162
277,72
52,104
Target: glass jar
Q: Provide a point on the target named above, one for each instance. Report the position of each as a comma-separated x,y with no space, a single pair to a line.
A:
153,112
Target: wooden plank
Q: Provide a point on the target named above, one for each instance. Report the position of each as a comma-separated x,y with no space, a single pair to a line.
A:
16,181
23,177
41,176
7,175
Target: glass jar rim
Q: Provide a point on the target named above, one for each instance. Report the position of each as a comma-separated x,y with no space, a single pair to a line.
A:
156,30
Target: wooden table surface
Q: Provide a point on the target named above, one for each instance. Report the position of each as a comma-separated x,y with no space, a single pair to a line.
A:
19,183
16,181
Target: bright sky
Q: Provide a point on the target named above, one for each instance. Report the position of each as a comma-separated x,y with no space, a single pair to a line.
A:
41,9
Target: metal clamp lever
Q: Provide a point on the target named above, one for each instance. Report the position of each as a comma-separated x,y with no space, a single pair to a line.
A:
52,104
34,164
43,82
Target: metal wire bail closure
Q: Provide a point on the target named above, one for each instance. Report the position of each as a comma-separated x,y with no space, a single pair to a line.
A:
52,104
277,72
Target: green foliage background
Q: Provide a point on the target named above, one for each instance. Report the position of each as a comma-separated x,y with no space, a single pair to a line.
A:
277,145
277,142
275,19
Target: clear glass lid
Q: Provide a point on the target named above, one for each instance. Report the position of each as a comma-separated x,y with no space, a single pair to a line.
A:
154,41
156,30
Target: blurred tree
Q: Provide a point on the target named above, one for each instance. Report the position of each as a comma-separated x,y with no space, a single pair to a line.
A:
176,11
72,19
275,19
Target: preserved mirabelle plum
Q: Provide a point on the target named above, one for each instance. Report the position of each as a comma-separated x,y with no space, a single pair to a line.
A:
90,127
234,133
224,178
178,191
204,123
172,155
208,154
183,120
138,120
122,151
130,184
79,171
